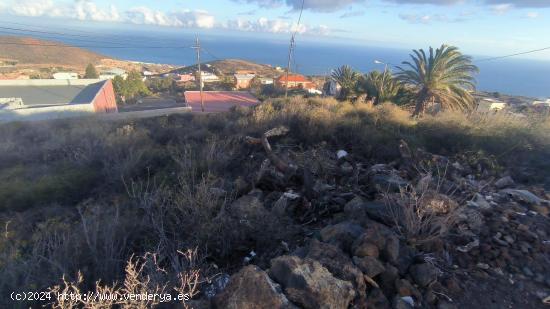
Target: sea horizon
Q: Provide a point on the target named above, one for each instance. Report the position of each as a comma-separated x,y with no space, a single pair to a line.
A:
512,76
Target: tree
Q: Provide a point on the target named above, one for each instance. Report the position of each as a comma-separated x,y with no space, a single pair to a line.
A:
347,78
91,72
444,77
379,86
130,88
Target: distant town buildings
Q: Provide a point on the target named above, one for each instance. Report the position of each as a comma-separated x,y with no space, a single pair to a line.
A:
184,78
542,103
65,75
294,81
112,73
243,81
266,81
486,105
209,77
41,99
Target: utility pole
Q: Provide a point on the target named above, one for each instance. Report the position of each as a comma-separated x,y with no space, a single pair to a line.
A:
290,51
198,48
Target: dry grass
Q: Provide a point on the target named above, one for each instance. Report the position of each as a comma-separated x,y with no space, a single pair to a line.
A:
160,185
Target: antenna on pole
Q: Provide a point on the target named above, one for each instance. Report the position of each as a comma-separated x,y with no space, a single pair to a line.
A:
291,48
290,51
198,48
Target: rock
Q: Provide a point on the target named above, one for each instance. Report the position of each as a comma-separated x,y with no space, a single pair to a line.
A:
371,266
481,202
346,168
423,274
390,252
341,154
251,288
280,207
377,300
504,182
388,182
307,283
543,210
355,207
405,288
217,285
383,213
248,207
339,264
443,304
366,249
387,279
342,234
525,196
400,303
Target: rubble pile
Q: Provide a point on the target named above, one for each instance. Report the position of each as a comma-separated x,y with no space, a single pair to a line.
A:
404,234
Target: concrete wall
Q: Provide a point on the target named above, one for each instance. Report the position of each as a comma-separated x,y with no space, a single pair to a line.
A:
44,113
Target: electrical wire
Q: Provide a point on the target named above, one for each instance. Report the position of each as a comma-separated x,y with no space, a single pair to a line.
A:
513,55
95,46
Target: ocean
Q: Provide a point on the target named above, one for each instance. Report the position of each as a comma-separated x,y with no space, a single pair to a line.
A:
512,76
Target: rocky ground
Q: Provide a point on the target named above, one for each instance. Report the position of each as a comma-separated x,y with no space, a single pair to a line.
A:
426,231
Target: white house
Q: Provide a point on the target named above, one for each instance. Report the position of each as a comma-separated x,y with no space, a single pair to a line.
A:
112,73
208,77
542,103
65,75
486,105
266,81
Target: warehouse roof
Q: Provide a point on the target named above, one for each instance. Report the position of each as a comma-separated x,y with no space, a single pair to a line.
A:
47,92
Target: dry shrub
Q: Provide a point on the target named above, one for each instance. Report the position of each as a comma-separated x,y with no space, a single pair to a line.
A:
422,215
143,277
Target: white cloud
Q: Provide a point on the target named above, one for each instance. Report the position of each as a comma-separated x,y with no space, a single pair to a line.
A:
501,9
532,15
275,26
32,7
197,18
89,10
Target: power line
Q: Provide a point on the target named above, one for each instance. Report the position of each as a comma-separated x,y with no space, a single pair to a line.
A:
513,55
94,34
94,46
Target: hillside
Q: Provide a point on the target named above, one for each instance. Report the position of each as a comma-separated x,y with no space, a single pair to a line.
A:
230,66
34,52
340,204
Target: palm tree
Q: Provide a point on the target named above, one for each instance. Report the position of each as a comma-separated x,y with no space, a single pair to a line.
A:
347,78
380,86
445,77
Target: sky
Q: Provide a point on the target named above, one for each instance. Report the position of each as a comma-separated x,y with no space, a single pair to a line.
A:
481,27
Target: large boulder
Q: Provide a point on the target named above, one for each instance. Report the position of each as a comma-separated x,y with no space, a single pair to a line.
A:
341,234
339,264
307,283
384,178
371,266
251,288
423,274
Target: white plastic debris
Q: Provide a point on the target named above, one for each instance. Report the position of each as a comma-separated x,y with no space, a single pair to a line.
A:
409,300
291,195
250,256
342,154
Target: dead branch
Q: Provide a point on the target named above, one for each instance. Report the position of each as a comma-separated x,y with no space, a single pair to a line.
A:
279,163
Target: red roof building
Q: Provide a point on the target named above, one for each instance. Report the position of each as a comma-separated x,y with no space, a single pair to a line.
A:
219,101
294,81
